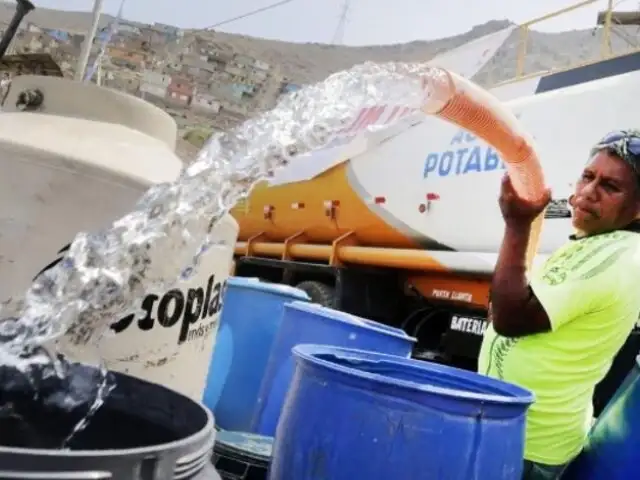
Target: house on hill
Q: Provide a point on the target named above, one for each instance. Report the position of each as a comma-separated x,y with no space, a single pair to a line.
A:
155,84
180,91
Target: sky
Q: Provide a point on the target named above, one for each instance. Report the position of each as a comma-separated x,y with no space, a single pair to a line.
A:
370,22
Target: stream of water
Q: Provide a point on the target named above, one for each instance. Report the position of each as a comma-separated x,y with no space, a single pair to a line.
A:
162,239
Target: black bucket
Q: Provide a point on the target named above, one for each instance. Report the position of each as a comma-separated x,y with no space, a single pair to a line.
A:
143,431
242,456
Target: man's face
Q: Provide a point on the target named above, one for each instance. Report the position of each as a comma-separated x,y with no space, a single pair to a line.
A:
607,196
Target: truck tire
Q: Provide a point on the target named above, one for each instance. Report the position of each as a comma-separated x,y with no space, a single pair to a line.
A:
318,292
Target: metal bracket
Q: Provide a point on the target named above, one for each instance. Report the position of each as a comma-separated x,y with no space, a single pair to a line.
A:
348,238
251,240
294,239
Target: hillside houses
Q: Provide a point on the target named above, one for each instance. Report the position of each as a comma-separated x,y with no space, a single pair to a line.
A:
37,42
219,58
190,74
206,103
128,57
210,80
154,84
168,33
198,68
194,72
180,91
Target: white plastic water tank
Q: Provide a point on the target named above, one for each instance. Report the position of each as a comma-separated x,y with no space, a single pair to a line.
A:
77,166
169,336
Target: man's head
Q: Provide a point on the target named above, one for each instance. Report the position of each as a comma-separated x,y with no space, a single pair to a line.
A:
607,195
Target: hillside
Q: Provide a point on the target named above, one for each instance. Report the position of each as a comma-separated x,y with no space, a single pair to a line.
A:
71,21
310,62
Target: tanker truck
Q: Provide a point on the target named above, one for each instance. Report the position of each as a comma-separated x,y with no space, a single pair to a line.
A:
402,225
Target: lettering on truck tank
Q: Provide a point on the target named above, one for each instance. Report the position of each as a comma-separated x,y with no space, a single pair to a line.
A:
462,157
190,309
449,295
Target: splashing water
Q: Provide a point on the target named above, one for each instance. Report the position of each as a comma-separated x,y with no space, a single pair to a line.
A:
40,409
105,387
164,237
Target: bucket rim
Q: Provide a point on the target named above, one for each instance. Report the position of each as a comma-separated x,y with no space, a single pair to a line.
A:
198,438
254,283
511,394
345,318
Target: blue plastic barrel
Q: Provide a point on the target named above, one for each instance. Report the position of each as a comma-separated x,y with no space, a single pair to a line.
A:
242,456
353,415
312,323
611,452
249,321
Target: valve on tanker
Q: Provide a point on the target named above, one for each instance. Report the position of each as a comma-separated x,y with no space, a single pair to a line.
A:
268,212
431,197
331,208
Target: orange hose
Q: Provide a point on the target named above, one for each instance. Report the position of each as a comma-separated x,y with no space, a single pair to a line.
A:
459,101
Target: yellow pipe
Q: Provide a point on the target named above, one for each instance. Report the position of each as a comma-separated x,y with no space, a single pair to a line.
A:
402,258
310,252
300,250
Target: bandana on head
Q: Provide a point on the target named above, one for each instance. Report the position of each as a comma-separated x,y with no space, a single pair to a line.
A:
623,143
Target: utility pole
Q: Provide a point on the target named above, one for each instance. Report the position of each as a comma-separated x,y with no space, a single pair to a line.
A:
81,66
338,35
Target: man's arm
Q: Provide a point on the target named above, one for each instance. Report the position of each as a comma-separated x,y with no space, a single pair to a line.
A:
515,310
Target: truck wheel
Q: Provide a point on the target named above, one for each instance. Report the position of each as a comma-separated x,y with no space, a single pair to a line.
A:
318,292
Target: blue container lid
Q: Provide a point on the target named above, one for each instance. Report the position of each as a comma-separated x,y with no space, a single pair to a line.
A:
276,288
248,444
344,317
479,388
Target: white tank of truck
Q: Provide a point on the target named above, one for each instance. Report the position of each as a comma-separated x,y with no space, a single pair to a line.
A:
422,197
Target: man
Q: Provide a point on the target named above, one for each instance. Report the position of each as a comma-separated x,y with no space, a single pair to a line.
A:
557,333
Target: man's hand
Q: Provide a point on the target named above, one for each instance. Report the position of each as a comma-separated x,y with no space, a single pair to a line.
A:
517,211
515,310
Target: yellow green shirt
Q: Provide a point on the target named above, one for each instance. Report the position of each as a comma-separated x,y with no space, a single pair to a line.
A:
590,289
